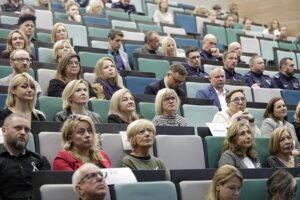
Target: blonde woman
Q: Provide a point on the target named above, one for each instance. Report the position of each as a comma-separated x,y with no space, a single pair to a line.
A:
80,145
106,81
61,48
22,97
94,7
281,146
122,108
238,148
161,14
75,98
296,122
43,4
141,135
169,47
200,10
273,29
166,105
16,39
59,32
226,184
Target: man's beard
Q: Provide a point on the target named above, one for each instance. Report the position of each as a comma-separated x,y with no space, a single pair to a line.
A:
17,144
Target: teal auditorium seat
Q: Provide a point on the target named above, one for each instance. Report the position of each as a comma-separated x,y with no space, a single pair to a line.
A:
90,59
2,101
95,20
194,114
101,107
147,110
78,33
266,47
6,70
188,22
193,87
45,55
181,42
44,37
214,145
254,189
159,67
50,106
262,149
4,32
137,85
8,20
219,32
232,34
98,32
161,190
257,113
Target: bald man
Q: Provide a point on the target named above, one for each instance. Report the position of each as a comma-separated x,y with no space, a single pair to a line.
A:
235,46
209,49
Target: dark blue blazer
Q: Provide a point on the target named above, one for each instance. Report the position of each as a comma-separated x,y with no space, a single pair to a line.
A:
210,93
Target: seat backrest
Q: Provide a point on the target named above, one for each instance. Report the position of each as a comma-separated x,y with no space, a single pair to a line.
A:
8,20
78,33
2,101
254,189
181,42
147,110
194,190
214,145
192,88
200,24
266,47
159,67
232,34
258,114
89,77
126,24
247,91
43,37
90,59
129,48
96,20
279,54
98,32
41,15
137,85
50,106
241,70
57,191
99,44
136,36
50,143
116,14
151,7
188,22
194,114
112,145
286,45
45,55
145,18
219,32
170,148
264,95
291,97
173,30
149,27
146,190
298,60
262,149
101,107
250,45
44,77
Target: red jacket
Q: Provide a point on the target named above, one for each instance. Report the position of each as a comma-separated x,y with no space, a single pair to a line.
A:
64,161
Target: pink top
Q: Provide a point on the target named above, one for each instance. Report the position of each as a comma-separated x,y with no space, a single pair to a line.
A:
64,161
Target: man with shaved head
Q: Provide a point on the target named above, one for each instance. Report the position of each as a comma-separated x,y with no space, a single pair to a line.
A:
209,49
235,46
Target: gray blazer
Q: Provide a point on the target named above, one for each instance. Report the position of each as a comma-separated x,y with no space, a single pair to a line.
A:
230,158
269,125
144,50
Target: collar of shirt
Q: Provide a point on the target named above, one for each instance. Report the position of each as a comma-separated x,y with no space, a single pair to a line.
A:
286,77
257,74
166,83
4,150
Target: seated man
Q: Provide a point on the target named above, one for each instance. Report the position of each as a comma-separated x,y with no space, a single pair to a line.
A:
229,21
27,10
235,46
255,77
215,91
230,62
27,25
89,183
115,40
125,5
151,44
20,61
285,78
174,78
247,24
209,50
17,163
194,67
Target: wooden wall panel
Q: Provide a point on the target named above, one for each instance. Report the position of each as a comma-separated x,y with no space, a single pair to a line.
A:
263,11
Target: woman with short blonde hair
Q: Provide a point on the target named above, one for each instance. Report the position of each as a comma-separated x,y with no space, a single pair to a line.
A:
22,97
80,145
166,104
106,81
94,7
169,47
61,48
225,176
59,32
75,98
122,108
43,4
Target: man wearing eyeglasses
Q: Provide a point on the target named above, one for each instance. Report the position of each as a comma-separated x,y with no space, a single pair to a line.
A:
20,61
209,49
174,80
89,183
16,161
193,59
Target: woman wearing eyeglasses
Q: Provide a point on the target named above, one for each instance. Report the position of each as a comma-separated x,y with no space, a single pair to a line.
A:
166,105
80,145
236,103
68,69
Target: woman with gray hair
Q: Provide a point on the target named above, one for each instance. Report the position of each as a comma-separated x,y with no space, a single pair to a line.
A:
89,183
166,105
75,98
141,135
281,185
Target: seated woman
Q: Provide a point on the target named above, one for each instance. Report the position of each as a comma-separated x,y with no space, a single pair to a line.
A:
211,16
273,29
169,48
43,4
22,97
281,186
72,11
281,146
200,10
161,14
166,105
141,135
80,145
94,7
226,184
106,81
122,108
75,98
12,6
68,69
296,122
238,148
16,39
236,103
59,32
276,116
61,48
